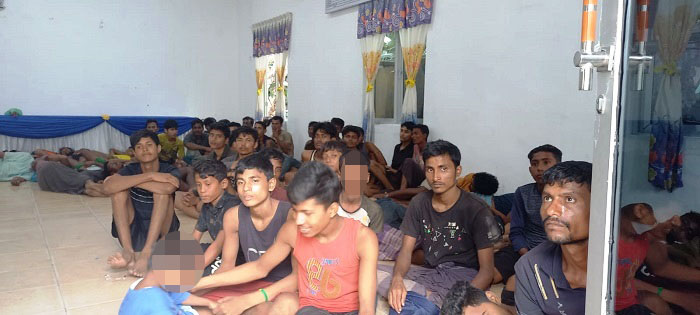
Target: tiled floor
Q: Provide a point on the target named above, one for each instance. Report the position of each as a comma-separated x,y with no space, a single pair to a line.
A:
53,253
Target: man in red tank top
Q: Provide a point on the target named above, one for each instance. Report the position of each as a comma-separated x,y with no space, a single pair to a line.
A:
334,258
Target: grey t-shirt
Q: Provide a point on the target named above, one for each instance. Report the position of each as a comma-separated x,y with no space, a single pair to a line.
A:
211,217
255,243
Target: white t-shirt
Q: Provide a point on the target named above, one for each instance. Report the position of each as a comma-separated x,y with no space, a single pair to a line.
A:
359,215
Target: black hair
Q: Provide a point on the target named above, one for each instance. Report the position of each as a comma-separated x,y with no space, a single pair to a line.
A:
69,149
423,128
170,123
151,121
172,245
327,127
209,120
461,295
570,171
546,148
272,154
334,145
314,180
313,123
143,133
484,183
278,118
221,126
262,123
234,124
409,125
210,167
440,147
350,128
338,121
628,210
246,131
247,118
258,162
196,121
225,121
353,157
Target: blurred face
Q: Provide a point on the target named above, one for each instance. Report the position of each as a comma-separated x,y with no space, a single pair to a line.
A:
217,140
65,151
644,215
152,127
405,134
210,189
245,144
311,131
253,187
146,150
418,136
332,159
276,167
565,212
312,217
352,140
171,132
441,173
248,123
541,161
354,179
178,273
320,138
260,129
276,125
198,129
338,127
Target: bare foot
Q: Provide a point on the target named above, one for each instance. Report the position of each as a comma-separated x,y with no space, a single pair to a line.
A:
139,266
121,260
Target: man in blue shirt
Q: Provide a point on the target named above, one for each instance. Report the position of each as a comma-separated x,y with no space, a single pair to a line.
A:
551,278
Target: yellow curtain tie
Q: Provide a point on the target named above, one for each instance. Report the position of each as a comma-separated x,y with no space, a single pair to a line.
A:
105,117
410,83
370,87
280,88
670,69
259,91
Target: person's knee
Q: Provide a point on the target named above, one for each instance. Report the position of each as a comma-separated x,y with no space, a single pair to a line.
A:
120,196
285,303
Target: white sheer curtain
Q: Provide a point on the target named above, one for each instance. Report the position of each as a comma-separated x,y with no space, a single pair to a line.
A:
371,54
261,64
281,75
412,48
101,138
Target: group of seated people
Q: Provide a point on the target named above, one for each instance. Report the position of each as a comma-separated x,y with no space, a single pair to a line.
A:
307,237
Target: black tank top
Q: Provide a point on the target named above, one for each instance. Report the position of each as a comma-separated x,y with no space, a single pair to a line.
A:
255,243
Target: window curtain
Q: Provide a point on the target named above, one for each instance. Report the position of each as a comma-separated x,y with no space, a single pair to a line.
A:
673,23
378,17
271,40
412,48
371,54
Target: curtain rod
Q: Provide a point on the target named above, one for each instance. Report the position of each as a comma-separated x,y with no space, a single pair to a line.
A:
266,23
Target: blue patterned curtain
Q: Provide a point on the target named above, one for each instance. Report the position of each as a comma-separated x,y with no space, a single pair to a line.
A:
42,127
385,16
129,124
272,36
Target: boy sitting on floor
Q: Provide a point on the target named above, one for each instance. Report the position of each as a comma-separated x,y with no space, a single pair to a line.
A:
174,268
276,158
142,203
335,258
353,203
173,149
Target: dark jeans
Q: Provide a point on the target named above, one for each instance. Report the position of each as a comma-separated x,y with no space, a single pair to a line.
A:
310,310
417,304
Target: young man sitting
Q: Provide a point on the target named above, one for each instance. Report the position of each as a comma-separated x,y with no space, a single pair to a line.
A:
207,123
456,229
339,123
263,140
389,176
335,258
196,142
252,226
353,204
309,145
245,142
464,299
142,203
323,132
410,174
282,137
210,176
247,122
276,158
152,126
551,278
173,149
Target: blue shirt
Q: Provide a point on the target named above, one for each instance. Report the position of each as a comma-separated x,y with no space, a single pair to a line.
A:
526,229
16,164
152,300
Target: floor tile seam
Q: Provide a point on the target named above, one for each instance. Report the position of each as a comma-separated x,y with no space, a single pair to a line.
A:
93,304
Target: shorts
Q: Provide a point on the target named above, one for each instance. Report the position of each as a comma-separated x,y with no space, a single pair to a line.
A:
504,260
236,290
139,226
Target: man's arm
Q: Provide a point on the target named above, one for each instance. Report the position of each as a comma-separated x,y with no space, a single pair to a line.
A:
397,291
197,235
373,150
368,250
406,193
214,248
257,269
517,225
236,305
484,277
116,182
661,265
230,246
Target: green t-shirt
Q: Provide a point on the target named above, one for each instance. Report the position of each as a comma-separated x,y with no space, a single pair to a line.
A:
170,150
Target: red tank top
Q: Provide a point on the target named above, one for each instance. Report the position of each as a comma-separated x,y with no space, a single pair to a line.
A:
328,273
630,255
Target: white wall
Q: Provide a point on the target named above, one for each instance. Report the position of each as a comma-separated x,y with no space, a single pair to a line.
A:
499,79
156,57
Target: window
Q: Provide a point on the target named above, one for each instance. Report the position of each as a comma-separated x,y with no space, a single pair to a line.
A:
389,85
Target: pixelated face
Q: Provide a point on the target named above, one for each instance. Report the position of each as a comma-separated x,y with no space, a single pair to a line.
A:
245,144
198,129
178,266
405,134
152,127
171,132
276,125
254,187
217,140
565,212
486,308
441,173
320,138
541,161
146,150
332,159
354,179
313,217
352,140
418,136
210,189
260,129
276,167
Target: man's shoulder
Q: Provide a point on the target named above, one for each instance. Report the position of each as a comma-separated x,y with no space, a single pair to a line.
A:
526,189
166,168
369,204
421,198
544,252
